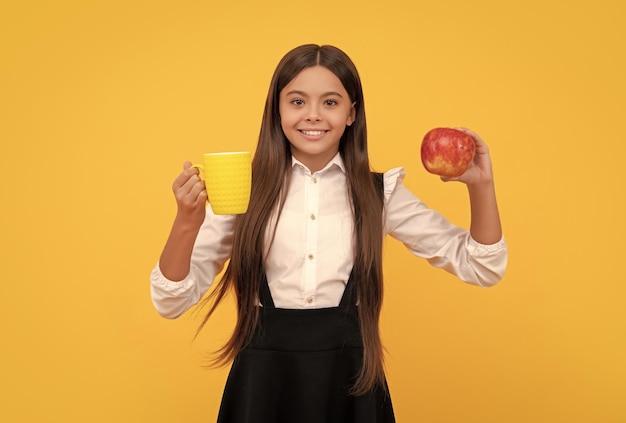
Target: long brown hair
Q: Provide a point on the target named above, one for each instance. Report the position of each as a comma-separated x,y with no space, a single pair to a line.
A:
271,169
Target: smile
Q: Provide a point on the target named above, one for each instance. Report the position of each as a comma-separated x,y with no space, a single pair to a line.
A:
313,133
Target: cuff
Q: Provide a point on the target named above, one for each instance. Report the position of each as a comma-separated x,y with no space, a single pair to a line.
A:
163,284
477,249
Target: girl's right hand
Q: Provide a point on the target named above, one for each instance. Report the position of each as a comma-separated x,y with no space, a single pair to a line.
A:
191,196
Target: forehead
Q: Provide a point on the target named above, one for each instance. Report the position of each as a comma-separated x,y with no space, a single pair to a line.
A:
315,80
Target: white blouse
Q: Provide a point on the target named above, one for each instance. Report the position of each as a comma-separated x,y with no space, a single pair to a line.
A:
310,260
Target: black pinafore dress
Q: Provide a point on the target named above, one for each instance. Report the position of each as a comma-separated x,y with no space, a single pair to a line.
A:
299,368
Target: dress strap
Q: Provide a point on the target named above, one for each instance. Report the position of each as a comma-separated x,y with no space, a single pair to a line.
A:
349,293
265,294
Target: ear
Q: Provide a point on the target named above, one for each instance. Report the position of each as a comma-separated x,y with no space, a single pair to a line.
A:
352,115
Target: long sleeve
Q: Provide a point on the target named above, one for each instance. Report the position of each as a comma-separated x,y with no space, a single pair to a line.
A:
211,251
428,234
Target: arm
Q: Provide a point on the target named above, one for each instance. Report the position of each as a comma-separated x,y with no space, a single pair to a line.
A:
485,225
191,198
195,253
478,256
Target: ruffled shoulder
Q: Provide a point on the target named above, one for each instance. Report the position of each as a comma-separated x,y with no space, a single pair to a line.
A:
391,179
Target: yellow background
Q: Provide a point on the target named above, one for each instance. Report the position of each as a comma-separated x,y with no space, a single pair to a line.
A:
102,101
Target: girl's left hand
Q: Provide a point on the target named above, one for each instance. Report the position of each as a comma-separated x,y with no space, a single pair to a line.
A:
479,171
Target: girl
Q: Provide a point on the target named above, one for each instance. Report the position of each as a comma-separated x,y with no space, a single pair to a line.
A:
306,259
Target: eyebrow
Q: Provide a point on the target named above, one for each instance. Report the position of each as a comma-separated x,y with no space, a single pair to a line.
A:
326,94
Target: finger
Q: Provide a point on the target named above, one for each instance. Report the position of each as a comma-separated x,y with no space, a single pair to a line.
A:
193,184
184,177
193,200
187,172
477,138
196,190
189,169
196,198
448,178
202,197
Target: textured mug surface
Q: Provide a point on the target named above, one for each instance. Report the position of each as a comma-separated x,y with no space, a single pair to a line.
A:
228,177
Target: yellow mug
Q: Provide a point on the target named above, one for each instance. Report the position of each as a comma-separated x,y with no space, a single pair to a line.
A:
228,177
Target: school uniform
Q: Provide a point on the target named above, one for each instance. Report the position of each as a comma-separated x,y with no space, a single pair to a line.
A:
307,348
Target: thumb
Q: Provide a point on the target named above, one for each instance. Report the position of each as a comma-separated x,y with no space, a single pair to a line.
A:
187,165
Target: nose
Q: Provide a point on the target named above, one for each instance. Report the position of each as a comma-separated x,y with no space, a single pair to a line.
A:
313,115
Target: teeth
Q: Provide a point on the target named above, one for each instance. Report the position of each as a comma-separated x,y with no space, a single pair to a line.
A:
313,133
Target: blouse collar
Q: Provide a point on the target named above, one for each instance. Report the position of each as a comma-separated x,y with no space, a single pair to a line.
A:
335,161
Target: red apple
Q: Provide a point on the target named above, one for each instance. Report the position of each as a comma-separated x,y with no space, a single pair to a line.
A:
447,152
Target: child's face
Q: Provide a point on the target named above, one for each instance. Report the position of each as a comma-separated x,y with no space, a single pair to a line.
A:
314,111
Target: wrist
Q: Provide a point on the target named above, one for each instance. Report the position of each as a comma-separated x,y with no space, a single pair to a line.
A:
481,186
183,223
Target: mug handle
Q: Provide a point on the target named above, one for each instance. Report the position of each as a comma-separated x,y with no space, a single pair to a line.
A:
199,167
